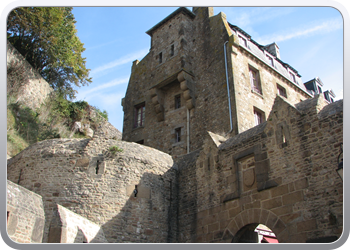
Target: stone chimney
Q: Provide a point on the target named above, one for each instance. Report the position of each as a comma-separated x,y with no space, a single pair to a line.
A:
203,12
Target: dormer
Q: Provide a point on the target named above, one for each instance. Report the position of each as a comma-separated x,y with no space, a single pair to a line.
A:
273,49
314,86
329,96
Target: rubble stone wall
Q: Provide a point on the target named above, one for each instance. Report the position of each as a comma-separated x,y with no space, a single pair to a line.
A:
95,178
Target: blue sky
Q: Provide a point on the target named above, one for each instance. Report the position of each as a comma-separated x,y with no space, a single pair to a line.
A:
310,40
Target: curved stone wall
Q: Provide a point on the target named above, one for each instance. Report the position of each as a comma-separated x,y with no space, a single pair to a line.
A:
95,178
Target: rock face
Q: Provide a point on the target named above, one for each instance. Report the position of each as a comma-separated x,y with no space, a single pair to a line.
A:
33,91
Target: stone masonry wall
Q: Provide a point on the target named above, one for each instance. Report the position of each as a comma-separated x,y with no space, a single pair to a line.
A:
155,83
280,174
35,90
187,197
269,78
196,71
91,180
25,215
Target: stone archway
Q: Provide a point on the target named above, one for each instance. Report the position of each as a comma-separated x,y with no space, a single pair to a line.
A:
250,218
255,233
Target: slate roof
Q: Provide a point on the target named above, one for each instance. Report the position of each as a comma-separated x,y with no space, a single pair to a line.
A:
259,50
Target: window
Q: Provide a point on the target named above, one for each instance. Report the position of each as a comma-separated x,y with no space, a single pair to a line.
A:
270,60
177,101
281,91
139,119
172,50
160,57
254,80
243,41
177,134
258,116
292,77
319,89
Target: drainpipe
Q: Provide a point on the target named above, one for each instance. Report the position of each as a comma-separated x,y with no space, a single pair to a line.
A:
228,89
188,131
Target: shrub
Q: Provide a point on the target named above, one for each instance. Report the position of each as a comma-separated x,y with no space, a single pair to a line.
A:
115,149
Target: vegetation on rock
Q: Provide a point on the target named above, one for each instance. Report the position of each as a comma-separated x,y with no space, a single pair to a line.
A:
47,38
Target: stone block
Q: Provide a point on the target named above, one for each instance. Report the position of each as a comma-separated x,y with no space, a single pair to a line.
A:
272,203
305,226
293,198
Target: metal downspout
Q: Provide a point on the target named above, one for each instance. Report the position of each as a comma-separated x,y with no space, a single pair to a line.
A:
188,131
228,89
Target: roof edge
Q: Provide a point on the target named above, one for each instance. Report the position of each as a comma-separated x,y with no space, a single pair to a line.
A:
179,10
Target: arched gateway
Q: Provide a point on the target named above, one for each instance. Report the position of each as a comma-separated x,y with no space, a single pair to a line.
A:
240,227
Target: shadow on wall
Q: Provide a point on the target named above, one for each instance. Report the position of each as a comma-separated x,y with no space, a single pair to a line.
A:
151,213
80,238
148,215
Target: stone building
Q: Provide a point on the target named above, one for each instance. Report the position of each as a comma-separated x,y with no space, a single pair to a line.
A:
215,182
203,74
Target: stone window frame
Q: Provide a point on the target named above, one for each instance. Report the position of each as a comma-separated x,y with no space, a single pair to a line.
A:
292,77
160,58
270,59
243,41
172,50
177,134
255,80
281,91
177,101
259,116
139,108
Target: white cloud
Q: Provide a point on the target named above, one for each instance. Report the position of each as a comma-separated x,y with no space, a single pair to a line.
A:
120,61
246,18
324,27
87,94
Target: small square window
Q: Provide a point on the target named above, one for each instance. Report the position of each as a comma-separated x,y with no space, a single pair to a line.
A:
255,80
139,118
177,101
281,91
177,134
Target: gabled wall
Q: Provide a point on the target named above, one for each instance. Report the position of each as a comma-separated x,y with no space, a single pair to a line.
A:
281,173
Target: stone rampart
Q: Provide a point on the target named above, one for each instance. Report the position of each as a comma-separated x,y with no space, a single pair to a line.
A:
96,178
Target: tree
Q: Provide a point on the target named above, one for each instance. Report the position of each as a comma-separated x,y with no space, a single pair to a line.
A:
47,38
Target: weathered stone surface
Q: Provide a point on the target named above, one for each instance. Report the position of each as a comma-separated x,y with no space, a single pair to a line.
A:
91,179
25,215
279,173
